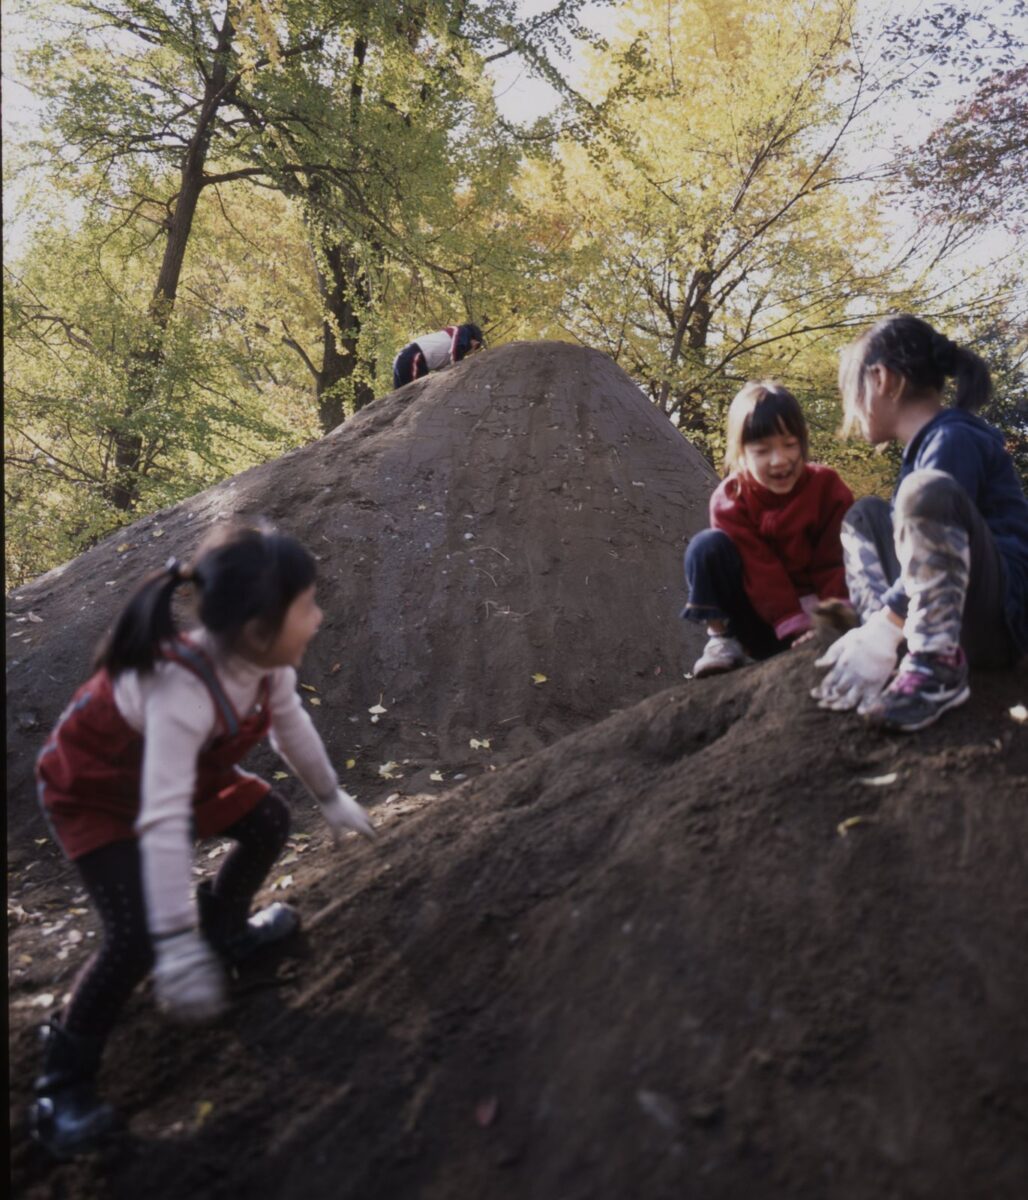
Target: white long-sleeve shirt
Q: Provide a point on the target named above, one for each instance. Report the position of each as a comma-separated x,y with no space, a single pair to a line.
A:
174,712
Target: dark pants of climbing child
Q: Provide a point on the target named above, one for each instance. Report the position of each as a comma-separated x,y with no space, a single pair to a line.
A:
409,365
114,880
713,573
949,563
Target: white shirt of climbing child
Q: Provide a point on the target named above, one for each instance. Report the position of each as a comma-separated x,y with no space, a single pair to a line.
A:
437,348
174,712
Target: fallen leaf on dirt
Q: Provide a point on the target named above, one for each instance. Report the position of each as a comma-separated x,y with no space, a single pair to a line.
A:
479,743
41,841
845,826
351,763
374,719
315,701
281,883
1019,713
280,775
157,533
35,618
289,859
538,678
436,776
203,1111
388,770
74,937
308,687
123,547
486,1110
377,708
334,668
880,780
43,1000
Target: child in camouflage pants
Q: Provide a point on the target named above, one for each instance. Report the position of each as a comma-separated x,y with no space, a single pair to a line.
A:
946,567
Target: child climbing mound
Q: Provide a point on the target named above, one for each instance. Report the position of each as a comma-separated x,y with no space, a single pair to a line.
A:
773,549
946,568
144,758
431,351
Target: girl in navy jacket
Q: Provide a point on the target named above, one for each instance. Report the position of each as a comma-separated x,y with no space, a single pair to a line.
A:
945,568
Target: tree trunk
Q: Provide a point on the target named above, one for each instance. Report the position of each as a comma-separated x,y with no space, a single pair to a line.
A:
144,364
340,335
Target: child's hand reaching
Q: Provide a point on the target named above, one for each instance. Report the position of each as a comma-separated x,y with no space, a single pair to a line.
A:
189,979
861,662
343,813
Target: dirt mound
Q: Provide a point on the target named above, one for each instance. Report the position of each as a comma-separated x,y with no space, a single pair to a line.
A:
521,515
720,945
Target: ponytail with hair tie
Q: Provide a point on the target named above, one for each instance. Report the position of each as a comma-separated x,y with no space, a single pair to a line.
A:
945,353
180,572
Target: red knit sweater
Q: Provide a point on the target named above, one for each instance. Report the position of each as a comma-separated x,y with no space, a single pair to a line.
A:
789,544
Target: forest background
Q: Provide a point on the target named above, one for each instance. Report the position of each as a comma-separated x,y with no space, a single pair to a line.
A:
222,220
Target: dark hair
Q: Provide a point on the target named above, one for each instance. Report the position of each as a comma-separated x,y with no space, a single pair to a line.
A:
463,338
923,356
240,573
762,410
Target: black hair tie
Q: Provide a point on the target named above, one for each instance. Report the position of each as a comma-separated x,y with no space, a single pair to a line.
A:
945,354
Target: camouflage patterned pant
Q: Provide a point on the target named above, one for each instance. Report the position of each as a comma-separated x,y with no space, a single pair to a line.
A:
937,544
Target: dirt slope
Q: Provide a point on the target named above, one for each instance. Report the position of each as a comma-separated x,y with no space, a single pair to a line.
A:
522,514
717,945
688,952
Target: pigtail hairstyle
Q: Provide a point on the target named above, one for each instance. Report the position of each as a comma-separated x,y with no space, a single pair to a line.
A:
241,573
144,623
926,358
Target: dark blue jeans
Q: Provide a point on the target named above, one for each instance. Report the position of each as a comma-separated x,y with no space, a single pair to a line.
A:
409,365
713,573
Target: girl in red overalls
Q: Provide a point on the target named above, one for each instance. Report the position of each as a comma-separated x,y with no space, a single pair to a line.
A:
143,760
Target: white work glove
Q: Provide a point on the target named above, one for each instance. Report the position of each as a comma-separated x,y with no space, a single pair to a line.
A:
342,812
861,662
188,978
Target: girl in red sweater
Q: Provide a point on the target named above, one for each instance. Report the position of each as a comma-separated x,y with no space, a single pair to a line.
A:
773,549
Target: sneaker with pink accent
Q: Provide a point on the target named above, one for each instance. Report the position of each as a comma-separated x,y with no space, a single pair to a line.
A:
925,686
719,655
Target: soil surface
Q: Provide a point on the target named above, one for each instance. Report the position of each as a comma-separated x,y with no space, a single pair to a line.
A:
717,944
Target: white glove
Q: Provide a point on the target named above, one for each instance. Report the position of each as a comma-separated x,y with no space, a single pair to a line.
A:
861,662
342,812
188,978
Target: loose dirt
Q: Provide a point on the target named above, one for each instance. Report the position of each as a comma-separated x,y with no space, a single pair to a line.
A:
717,944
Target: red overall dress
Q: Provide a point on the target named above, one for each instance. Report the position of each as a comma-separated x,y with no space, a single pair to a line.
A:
89,773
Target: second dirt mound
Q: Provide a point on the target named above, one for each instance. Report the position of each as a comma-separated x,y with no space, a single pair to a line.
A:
500,559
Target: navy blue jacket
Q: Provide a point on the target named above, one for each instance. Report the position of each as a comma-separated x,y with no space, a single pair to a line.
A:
964,446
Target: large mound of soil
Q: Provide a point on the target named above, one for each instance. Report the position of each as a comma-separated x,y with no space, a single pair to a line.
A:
721,944
521,515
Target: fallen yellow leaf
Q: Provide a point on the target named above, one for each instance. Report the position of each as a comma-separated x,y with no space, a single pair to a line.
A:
351,763
537,678
315,701
436,776
845,826
308,687
280,775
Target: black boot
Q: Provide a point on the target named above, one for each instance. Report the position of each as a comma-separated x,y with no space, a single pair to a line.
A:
67,1117
235,936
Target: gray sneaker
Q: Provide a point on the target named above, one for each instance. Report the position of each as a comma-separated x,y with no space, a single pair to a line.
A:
720,654
926,686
